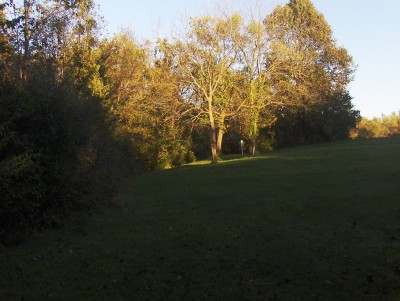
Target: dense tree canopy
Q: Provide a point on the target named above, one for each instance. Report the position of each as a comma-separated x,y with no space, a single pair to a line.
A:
79,113
58,151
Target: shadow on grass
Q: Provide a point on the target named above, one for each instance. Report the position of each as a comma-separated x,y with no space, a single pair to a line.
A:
315,223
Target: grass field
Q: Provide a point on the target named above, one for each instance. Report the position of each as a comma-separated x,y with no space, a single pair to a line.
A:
318,222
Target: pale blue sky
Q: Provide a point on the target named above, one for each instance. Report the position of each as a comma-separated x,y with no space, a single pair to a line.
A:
369,30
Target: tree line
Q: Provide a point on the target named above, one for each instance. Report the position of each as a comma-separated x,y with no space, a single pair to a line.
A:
80,113
384,126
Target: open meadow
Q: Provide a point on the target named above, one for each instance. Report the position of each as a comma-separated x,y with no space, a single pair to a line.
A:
318,222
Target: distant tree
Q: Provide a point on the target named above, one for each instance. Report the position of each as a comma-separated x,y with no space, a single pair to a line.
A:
329,121
371,129
392,123
384,126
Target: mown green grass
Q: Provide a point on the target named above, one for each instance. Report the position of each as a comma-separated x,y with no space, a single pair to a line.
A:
310,223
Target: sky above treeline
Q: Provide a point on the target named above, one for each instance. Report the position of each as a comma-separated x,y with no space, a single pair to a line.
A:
368,29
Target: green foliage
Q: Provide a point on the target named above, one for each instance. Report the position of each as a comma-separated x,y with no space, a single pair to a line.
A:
57,154
20,163
58,151
329,121
145,102
309,62
378,127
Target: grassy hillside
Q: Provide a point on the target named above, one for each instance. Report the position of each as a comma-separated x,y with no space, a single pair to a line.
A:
311,223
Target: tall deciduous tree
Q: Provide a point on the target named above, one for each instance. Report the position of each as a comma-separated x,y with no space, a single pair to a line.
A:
229,104
253,49
6,51
43,32
311,70
304,43
207,54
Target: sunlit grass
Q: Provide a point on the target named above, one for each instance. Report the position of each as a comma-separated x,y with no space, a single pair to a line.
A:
310,223
224,159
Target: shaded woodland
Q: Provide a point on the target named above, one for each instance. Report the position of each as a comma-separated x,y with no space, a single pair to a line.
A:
80,113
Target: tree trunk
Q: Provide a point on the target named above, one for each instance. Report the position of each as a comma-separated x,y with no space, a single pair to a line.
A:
25,57
254,133
253,146
213,141
221,133
213,132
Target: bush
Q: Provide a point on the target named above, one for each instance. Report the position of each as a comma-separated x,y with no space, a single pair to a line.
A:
57,155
